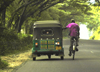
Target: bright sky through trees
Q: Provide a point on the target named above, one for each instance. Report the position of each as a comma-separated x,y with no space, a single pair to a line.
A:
84,33
92,1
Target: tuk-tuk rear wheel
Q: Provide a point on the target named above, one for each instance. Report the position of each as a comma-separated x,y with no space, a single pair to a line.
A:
62,57
34,58
49,56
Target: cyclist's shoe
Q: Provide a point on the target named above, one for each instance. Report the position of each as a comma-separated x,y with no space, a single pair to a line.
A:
76,49
77,45
69,54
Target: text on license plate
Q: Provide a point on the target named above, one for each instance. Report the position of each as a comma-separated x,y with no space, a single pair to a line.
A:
58,47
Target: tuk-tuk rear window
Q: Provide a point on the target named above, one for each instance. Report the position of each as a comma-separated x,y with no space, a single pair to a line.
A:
47,32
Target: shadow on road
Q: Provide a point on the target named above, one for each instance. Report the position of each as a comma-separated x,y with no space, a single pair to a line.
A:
67,59
55,59
52,59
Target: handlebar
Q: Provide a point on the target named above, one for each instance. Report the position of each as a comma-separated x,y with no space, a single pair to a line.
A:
64,28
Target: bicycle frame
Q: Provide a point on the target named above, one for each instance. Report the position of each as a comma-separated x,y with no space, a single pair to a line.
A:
74,46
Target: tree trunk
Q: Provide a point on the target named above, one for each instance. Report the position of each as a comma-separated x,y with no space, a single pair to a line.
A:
21,20
20,24
3,17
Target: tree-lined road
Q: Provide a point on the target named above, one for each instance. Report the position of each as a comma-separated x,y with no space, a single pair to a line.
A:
87,59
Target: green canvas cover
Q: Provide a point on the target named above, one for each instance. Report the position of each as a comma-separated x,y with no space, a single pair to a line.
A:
47,23
47,29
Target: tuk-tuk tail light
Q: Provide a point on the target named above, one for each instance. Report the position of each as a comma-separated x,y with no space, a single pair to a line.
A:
57,43
36,51
36,44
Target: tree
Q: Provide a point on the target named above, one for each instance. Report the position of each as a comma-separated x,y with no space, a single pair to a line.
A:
39,6
93,21
64,12
19,11
3,5
68,10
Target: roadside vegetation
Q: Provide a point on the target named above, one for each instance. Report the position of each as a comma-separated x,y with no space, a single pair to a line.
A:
3,64
12,43
94,22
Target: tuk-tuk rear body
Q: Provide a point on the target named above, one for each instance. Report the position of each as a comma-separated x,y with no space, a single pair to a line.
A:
47,39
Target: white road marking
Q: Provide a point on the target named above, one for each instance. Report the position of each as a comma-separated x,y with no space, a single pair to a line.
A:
92,52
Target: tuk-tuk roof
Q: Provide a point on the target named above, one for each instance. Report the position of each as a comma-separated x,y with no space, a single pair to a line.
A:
47,23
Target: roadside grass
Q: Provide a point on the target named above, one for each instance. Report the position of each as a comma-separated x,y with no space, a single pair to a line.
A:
3,64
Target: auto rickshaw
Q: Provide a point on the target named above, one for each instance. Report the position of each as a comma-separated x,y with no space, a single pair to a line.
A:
47,39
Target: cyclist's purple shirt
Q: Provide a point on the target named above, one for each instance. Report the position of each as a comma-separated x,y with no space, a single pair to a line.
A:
73,27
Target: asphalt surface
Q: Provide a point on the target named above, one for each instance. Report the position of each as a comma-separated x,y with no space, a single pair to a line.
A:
87,59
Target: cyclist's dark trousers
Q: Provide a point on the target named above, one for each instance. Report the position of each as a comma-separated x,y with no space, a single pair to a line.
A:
71,42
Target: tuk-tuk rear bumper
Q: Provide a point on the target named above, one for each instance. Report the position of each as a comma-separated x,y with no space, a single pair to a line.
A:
57,53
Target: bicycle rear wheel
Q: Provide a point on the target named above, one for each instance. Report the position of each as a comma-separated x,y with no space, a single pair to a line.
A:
73,55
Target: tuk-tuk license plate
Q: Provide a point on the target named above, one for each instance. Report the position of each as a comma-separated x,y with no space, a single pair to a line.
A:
58,47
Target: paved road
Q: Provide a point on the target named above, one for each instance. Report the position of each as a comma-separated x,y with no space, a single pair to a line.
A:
87,59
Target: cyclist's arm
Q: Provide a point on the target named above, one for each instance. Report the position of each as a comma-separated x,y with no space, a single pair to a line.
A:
64,28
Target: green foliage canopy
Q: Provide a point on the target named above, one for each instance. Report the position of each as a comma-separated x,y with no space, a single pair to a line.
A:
21,14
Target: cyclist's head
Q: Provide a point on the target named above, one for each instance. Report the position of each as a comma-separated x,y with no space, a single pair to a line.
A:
72,20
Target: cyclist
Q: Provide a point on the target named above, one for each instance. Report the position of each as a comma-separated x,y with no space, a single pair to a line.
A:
74,33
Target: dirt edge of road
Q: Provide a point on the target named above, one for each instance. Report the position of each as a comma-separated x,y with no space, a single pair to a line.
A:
16,60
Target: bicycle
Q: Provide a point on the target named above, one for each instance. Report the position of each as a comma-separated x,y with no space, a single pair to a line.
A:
73,47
